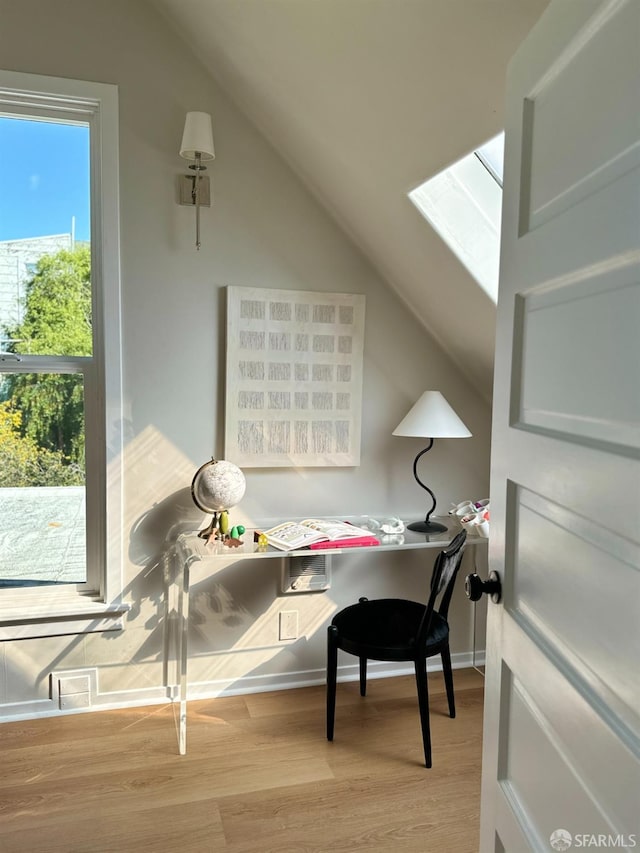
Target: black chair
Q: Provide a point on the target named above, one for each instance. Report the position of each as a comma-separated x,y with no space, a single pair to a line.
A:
393,629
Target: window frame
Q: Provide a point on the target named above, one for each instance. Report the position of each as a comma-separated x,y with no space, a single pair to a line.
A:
462,203
95,604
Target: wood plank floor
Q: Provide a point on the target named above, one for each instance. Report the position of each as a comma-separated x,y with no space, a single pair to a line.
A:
259,776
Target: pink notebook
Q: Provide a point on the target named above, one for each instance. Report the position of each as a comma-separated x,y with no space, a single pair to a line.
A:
351,542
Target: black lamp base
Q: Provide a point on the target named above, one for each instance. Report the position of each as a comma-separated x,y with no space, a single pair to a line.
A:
426,527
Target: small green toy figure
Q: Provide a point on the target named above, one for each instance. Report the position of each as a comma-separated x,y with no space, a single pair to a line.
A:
233,540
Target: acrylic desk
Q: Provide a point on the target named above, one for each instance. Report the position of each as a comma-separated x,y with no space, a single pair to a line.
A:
189,550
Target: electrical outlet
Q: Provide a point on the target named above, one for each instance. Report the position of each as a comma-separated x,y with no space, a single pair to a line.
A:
288,624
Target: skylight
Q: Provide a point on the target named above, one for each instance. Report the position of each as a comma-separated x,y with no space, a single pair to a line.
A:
463,203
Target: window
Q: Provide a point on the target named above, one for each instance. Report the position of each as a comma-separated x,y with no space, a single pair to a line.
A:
60,391
464,205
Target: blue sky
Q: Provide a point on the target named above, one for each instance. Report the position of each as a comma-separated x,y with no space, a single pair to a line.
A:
44,179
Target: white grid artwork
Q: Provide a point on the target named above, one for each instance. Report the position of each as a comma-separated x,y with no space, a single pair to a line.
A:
294,377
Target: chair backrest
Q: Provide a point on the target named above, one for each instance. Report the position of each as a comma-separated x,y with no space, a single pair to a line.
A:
443,578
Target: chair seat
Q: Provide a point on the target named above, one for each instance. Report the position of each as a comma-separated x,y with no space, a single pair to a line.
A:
386,628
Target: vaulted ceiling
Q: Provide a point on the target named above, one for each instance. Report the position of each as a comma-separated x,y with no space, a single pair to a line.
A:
366,99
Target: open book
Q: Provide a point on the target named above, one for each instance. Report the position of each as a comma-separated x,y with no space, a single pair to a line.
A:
315,534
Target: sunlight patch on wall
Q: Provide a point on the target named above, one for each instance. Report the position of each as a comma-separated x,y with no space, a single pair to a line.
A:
464,203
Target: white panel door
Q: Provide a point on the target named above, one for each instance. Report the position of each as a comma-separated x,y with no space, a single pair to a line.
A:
562,714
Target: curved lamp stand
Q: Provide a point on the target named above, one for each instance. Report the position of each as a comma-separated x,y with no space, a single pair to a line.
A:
425,526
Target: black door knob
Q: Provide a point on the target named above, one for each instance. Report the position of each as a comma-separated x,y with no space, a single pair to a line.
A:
474,587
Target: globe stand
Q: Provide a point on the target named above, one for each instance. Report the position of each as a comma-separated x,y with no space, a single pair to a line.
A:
209,531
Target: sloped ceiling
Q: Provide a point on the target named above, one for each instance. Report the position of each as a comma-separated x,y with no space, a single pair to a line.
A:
366,99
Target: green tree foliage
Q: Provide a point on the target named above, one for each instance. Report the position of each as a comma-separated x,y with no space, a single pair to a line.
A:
23,463
57,321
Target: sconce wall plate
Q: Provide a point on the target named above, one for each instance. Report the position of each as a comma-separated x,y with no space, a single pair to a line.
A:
185,188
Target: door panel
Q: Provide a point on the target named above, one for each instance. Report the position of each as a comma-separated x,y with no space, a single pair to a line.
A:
546,721
570,109
578,329
558,550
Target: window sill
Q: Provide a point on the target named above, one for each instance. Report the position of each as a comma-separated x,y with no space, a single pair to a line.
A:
62,613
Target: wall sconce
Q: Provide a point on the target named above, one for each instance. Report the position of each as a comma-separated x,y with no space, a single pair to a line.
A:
197,145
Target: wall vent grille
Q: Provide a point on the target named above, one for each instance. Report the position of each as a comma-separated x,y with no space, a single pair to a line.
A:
306,574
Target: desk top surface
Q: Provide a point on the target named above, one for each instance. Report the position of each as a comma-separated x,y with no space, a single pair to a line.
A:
193,548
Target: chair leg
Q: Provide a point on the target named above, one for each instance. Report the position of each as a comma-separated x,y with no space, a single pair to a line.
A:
448,680
363,676
423,704
332,673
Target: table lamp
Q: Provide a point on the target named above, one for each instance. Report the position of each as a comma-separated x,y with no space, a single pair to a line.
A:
431,417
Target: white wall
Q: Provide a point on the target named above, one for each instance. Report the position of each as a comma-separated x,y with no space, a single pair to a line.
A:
263,230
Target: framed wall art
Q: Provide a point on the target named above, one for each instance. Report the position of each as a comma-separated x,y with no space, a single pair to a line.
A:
294,377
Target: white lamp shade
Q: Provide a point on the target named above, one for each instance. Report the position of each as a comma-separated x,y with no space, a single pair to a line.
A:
432,417
197,137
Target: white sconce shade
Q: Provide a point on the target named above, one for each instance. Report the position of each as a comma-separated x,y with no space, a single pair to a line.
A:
197,138
432,417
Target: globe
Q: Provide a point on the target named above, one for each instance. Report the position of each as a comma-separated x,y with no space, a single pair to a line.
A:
217,485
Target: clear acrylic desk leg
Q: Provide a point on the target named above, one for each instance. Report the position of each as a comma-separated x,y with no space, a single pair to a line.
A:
183,609
474,604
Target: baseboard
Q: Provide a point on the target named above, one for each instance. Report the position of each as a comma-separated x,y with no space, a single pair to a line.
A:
34,709
41,708
310,678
